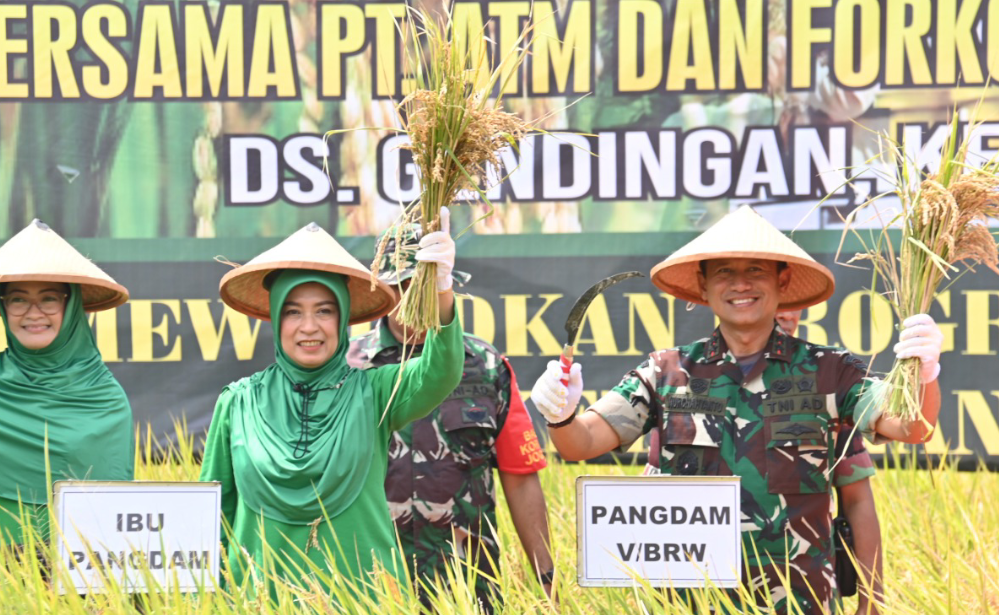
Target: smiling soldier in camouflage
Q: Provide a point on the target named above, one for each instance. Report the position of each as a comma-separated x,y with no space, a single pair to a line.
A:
750,401
440,474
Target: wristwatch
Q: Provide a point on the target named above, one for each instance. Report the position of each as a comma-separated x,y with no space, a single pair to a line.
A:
547,578
571,418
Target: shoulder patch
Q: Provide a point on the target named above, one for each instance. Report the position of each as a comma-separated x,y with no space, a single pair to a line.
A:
855,362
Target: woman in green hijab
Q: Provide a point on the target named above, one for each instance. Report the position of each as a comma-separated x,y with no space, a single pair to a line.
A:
301,447
56,395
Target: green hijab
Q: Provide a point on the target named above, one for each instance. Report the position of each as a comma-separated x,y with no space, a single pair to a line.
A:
66,390
302,438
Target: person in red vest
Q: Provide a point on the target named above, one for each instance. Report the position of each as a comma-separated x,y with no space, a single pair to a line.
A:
440,484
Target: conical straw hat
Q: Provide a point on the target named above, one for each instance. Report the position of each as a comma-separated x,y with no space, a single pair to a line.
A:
39,254
243,288
745,234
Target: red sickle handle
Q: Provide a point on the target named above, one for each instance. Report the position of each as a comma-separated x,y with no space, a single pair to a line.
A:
566,362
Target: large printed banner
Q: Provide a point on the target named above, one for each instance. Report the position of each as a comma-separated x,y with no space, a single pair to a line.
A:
158,135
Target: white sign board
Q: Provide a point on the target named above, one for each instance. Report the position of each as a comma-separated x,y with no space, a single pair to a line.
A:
669,530
168,531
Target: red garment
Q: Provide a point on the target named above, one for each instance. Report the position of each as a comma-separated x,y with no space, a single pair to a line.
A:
517,448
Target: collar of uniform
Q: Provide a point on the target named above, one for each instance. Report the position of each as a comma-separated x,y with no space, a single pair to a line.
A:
716,348
780,344
387,341
778,347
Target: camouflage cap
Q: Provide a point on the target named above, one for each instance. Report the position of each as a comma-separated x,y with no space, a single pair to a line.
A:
397,264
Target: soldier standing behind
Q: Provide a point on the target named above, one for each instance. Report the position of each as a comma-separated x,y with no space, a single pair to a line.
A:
440,481
751,401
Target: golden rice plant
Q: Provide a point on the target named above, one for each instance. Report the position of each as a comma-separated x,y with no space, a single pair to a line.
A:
456,123
456,126
943,223
940,529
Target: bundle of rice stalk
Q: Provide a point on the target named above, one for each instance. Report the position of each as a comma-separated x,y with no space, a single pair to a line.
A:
456,127
942,223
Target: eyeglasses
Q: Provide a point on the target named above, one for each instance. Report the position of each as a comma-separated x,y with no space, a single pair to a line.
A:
48,304
324,313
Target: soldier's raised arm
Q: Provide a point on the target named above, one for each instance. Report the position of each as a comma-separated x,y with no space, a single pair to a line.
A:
921,339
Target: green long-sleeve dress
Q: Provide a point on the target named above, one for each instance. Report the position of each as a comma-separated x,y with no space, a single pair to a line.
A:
260,452
64,394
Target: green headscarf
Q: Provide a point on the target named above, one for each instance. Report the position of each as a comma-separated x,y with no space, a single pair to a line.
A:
303,436
66,389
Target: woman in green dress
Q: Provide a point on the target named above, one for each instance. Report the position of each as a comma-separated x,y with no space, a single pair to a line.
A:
300,448
56,395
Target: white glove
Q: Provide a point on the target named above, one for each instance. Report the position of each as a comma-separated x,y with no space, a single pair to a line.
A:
553,399
438,248
922,339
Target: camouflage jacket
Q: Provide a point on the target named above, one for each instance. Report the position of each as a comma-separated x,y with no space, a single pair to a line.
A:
774,426
440,480
853,462
856,464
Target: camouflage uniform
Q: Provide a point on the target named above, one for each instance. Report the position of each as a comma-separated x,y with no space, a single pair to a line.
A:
775,427
856,464
440,480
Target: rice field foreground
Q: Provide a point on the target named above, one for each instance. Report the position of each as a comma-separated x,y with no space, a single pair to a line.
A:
940,528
